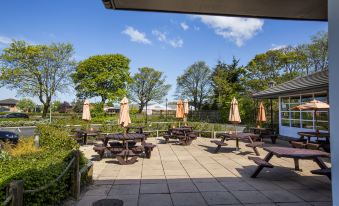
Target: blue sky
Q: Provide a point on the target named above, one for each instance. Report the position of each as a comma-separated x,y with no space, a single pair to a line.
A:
167,42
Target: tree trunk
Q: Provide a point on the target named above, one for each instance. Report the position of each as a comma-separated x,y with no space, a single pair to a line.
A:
45,110
141,107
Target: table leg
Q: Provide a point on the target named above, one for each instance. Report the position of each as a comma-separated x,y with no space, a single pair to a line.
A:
237,144
85,139
296,164
260,167
321,164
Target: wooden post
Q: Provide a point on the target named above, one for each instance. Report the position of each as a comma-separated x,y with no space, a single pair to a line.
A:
76,176
16,188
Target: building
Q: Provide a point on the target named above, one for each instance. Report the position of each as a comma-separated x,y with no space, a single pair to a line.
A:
296,92
8,105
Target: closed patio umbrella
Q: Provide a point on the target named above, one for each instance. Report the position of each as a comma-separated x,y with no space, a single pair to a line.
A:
124,119
86,113
261,114
314,105
180,113
186,110
234,116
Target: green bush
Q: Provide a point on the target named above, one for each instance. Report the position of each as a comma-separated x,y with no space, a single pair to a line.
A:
42,167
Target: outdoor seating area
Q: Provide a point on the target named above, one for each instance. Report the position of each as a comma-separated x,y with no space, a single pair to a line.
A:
195,175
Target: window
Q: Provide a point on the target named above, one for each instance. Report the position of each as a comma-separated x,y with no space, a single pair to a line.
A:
303,119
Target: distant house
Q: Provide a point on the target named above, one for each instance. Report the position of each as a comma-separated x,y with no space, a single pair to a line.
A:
295,92
8,105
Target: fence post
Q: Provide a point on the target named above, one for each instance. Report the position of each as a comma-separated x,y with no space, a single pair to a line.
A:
16,188
76,176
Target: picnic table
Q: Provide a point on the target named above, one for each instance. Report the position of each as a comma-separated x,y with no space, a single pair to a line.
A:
184,134
84,134
125,146
318,135
265,133
247,137
286,152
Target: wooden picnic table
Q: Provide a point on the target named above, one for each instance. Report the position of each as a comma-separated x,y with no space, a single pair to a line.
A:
138,129
84,134
247,137
184,134
318,135
287,152
265,133
124,151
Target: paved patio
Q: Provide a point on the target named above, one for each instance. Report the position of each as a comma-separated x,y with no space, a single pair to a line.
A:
193,175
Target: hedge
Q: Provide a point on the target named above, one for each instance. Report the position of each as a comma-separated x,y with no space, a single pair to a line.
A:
41,168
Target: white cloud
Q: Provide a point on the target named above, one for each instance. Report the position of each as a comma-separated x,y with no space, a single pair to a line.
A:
196,28
5,40
136,36
235,29
162,36
184,26
277,47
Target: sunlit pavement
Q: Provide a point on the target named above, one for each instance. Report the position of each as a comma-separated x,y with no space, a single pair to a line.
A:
194,175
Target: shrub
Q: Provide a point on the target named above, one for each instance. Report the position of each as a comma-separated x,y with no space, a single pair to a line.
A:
24,147
41,167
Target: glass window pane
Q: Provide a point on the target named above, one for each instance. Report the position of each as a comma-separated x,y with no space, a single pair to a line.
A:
284,104
295,123
323,116
306,98
307,124
322,126
295,115
285,115
321,97
307,115
285,100
295,100
285,122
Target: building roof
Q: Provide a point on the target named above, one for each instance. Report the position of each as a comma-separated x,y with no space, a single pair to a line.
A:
8,102
315,82
281,9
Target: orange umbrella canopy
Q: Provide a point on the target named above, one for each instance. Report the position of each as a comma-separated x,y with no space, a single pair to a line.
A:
312,105
180,113
261,113
86,113
234,116
186,110
124,119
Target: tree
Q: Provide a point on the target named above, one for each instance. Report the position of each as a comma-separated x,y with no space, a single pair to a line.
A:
148,85
37,70
55,106
26,105
227,81
105,76
195,84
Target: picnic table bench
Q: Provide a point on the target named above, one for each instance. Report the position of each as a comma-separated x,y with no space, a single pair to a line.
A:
286,152
248,137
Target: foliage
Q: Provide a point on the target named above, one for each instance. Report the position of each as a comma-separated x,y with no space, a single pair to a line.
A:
20,122
25,146
77,105
37,70
39,168
105,76
26,105
97,109
195,84
55,106
148,85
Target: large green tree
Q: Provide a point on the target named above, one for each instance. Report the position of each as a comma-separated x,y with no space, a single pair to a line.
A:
148,85
37,70
26,105
195,84
105,76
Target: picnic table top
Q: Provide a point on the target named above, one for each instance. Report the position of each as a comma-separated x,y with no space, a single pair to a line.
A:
314,134
296,152
128,136
182,128
239,135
